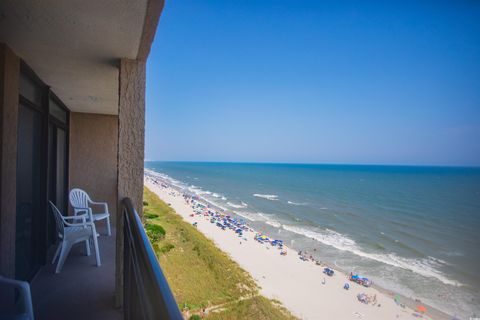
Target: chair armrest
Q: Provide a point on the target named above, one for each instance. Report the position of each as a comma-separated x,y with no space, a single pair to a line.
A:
88,212
85,224
78,209
80,216
104,204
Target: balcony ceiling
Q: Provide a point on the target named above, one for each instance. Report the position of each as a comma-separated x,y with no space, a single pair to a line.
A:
74,46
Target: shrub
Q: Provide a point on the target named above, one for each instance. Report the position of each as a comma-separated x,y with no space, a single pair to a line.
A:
195,317
166,248
150,215
145,203
154,232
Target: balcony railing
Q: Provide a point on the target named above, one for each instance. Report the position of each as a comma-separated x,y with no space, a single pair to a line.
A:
146,291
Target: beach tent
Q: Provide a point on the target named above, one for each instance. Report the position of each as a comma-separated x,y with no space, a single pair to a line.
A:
328,271
397,299
421,309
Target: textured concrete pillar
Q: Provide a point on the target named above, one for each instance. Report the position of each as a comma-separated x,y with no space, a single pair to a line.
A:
9,86
131,145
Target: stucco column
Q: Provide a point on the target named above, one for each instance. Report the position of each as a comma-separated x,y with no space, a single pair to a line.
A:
9,86
131,145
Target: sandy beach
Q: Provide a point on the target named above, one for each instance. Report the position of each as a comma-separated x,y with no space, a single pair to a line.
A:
301,286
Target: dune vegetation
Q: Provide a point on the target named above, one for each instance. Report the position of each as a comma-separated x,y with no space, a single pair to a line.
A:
201,276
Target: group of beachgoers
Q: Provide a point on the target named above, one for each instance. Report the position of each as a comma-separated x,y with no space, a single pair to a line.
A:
225,221
367,299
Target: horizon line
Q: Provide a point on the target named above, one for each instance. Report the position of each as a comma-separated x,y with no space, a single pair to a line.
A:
323,163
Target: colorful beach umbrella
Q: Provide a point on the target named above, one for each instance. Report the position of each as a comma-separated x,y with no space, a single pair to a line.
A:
421,309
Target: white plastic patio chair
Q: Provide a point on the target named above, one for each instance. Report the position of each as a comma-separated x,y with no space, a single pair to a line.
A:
15,300
70,233
80,201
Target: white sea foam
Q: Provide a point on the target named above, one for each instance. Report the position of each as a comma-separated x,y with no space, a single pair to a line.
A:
427,267
297,203
271,197
247,215
215,204
216,195
274,223
198,190
237,206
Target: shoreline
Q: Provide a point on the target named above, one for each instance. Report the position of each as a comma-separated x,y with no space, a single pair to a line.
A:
282,277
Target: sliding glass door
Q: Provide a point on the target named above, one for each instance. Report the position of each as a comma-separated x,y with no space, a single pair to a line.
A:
42,172
30,247
30,211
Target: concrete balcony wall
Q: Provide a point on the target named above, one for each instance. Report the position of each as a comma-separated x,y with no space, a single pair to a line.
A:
93,157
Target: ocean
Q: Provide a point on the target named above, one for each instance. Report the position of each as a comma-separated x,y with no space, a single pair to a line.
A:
413,230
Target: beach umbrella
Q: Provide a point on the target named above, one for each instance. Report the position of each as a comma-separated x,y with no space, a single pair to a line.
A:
421,309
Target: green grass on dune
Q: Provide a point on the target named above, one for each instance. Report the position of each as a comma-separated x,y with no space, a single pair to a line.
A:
201,275
257,307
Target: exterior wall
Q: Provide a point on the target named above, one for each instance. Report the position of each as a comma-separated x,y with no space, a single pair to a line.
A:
9,86
131,131
93,157
131,145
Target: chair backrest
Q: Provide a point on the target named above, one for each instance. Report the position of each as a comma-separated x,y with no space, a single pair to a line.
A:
58,220
78,198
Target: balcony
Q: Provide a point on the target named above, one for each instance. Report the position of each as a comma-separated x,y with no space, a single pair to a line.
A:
72,98
84,291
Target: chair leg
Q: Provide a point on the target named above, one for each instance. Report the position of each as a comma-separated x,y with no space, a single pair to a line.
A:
66,246
87,247
108,227
57,251
95,246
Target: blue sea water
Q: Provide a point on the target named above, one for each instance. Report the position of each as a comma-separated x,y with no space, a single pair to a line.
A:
414,230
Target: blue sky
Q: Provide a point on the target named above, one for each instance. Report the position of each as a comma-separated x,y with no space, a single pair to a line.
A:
316,81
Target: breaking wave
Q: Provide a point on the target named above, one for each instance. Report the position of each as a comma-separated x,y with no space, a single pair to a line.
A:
271,197
426,267
297,203
237,206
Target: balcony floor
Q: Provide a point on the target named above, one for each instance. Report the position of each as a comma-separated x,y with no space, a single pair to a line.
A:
81,290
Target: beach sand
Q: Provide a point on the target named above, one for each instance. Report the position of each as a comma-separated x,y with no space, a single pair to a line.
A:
297,284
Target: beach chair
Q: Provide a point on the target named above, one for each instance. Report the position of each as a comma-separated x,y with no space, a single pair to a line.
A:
80,201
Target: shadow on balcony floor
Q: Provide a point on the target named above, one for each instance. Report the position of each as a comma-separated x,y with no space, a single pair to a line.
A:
81,290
